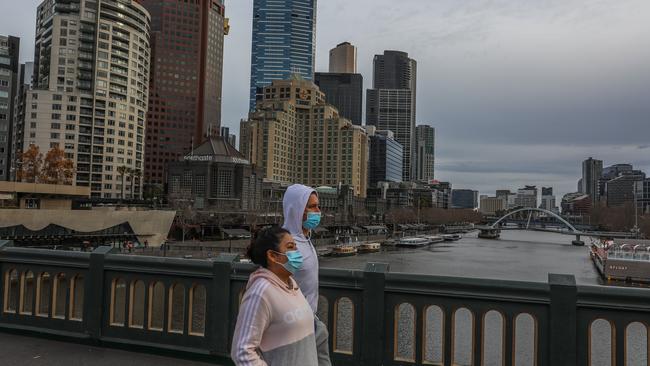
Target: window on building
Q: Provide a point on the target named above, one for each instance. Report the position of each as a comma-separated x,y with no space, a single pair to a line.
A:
224,183
175,184
32,203
187,182
199,186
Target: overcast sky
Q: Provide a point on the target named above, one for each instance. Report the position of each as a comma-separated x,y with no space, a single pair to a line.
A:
520,91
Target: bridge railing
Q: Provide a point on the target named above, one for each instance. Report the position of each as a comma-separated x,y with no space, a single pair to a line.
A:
375,317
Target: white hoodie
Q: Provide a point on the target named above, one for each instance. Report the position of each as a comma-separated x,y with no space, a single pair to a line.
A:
275,325
294,203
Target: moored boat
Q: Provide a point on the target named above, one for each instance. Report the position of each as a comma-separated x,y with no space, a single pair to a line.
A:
343,251
433,239
413,242
369,248
452,237
622,260
489,233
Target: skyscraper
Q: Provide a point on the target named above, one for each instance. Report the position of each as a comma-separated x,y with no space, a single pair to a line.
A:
592,171
343,59
9,84
425,137
391,104
342,86
186,76
91,88
284,42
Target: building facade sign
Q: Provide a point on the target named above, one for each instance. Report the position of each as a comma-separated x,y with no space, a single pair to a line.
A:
216,159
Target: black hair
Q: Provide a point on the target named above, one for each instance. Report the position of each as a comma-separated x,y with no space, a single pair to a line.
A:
265,239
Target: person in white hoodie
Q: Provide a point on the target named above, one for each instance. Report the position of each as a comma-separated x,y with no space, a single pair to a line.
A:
275,325
302,215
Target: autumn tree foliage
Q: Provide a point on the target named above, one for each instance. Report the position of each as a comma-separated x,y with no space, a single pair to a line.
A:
57,169
30,164
53,168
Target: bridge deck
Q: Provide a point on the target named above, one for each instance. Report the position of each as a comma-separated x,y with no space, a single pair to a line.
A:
28,351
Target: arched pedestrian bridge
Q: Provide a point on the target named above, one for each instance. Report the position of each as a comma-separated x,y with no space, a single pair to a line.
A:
495,227
531,210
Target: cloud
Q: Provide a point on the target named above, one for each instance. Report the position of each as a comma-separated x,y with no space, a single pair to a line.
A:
520,92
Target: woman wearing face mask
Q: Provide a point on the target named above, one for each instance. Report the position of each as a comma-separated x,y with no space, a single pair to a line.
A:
275,325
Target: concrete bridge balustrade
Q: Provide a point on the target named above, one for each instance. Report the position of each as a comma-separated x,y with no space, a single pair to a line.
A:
188,308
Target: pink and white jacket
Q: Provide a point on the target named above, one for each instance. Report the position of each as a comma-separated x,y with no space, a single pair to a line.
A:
275,325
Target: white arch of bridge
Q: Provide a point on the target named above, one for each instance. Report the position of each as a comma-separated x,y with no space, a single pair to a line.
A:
531,209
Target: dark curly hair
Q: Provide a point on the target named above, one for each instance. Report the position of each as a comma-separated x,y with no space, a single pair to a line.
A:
265,239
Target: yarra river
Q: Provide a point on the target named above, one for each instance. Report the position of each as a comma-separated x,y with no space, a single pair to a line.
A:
518,256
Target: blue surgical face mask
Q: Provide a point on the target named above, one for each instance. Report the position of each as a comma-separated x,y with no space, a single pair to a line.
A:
294,262
313,220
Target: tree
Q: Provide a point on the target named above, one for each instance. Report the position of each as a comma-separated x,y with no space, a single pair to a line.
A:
618,218
30,163
131,173
137,173
122,170
56,168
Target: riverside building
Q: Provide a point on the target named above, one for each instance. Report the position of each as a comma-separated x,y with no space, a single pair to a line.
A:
9,84
186,76
90,91
425,158
295,136
391,103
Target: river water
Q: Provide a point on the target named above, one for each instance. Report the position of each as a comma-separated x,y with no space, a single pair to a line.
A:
518,255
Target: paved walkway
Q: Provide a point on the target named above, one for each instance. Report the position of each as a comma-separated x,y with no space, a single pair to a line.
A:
27,351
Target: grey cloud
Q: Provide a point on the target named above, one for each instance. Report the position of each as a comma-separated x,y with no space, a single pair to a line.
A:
520,91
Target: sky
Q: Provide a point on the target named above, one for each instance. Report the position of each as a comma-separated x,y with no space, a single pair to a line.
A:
519,91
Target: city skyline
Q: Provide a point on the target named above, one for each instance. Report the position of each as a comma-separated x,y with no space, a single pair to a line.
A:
471,50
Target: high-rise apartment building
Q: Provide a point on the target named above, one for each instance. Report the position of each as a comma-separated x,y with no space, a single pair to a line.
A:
592,170
91,87
186,76
295,136
385,161
19,107
492,205
343,59
9,84
610,173
284,42
425,137
508,198
548,200
391,103
624,188
526,197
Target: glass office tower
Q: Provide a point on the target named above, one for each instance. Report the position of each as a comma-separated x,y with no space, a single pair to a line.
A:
284,42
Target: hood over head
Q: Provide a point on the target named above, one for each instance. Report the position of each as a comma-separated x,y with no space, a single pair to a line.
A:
275,280
294,203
